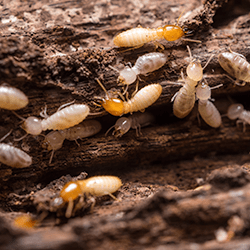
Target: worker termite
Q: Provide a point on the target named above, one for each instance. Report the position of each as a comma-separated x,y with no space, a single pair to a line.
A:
12,98
137,37
235,65
96,186
134,121
144,98
54,140
184,99
14,157
62,119
237,111
206,108
143,65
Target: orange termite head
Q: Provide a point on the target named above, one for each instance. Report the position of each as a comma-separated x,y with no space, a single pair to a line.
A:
113,105
25,222
70,191
173,32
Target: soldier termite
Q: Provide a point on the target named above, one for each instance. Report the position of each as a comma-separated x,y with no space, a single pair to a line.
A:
144,98
137,37
62,119
134,121
206,108
143,65
184,99
235,65
54,140
237,111
14,157
96,186
12,98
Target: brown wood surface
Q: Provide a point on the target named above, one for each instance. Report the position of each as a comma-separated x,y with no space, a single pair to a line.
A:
54,51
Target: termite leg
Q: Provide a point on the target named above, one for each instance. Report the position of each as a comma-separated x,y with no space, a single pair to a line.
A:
157,44
51,156
136,88
77,143
5,136
69,210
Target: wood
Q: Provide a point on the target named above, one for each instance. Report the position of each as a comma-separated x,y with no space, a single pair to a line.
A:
55,51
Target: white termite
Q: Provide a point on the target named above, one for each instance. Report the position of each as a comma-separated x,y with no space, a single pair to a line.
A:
62,119
206,108
54,140
235,65
184,99
143,65
12,98
14,157
144,98
134,121
237,111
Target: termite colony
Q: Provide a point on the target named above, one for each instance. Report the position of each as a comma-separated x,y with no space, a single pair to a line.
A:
69,121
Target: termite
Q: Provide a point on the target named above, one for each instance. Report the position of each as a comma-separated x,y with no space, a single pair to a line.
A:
144,98
134,121
96,186
237,111
14,157
235,65
62,119
54,140
184,99
206,108
143,65
137,37
12,98
25,222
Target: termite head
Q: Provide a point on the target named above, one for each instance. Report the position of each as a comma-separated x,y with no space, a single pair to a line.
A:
172,32
25,222
114,106
53,140
121,127
70,191
234,111
195,71
32,125
203,91
127,76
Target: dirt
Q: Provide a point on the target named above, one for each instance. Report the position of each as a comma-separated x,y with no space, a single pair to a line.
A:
185,184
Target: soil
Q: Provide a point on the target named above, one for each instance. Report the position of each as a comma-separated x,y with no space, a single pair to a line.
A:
185,184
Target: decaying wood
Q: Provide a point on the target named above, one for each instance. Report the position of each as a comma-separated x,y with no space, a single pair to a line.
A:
54,51
41,63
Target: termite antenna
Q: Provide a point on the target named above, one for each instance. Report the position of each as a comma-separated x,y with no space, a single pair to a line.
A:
191,40
109,130
97,113
66,104
208,61
5,136
111,67
177,22
18,116
21,138
190,53
43,113
217,86
99,82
